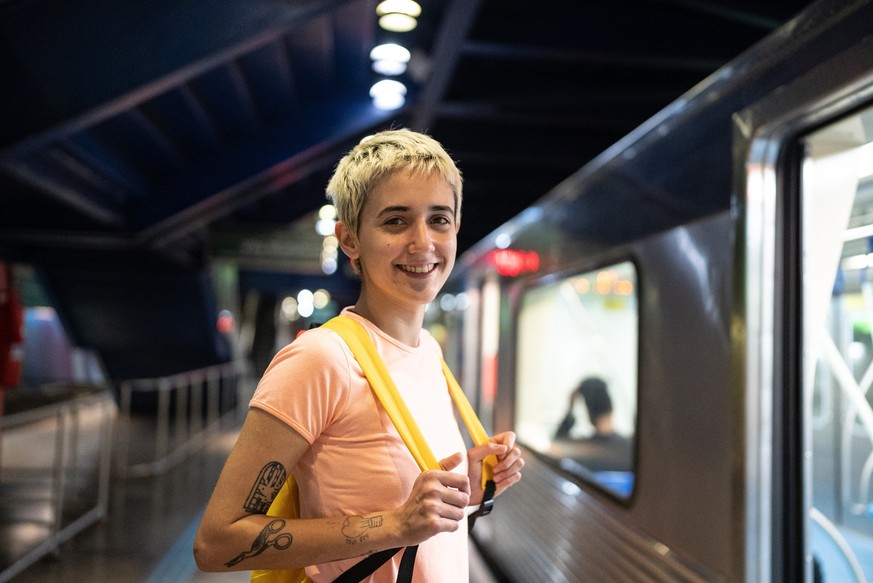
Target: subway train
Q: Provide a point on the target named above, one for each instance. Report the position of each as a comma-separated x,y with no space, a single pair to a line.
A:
714,271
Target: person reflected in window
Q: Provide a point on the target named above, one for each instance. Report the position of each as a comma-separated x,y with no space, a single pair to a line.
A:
604,450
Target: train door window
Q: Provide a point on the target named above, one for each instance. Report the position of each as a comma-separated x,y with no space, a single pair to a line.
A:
577,374
837,262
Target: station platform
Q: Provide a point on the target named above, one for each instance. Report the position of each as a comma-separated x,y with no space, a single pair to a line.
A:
148,531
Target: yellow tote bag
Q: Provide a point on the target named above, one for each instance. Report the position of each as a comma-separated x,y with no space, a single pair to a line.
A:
286,503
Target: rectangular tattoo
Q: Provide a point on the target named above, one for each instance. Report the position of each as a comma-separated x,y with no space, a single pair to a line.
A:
265,488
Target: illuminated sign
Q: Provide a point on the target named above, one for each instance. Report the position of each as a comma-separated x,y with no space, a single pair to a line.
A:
512,263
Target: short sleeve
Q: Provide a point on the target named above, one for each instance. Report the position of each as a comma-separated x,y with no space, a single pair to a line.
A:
307,383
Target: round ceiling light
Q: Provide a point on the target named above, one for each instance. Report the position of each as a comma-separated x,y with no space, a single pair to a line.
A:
390,51
398,15
388,94
390,59
409,7
388,67
396,22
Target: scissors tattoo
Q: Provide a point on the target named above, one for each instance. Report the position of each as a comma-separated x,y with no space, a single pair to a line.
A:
266,539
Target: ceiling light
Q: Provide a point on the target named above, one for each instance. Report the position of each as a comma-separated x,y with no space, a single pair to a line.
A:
396,22
389,68
389,102
390,59
388,94
398,15
390,52
408,7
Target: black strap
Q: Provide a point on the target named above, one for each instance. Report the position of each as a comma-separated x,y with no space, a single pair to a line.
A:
407,564
485,507
368,566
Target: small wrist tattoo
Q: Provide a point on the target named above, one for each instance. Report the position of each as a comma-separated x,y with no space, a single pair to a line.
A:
355,527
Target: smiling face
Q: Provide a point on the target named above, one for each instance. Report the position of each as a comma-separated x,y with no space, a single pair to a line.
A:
406,242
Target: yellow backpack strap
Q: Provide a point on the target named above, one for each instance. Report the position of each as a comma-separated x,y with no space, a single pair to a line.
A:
471,420
371,362
364,351
477,432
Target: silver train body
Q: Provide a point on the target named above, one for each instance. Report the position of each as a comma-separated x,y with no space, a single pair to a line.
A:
712,269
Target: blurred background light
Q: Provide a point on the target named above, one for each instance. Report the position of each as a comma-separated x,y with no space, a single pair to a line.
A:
388,94
398,15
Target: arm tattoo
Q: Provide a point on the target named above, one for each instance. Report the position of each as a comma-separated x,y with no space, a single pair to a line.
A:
266,539
355,528
265,488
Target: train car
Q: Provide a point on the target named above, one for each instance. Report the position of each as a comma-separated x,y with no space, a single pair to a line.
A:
714,272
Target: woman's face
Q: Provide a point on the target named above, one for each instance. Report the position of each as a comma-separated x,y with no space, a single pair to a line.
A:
407,239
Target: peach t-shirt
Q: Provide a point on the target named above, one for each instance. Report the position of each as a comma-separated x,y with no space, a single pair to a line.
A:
357,463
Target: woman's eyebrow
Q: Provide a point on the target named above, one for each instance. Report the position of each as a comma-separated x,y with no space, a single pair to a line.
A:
405,209
393,209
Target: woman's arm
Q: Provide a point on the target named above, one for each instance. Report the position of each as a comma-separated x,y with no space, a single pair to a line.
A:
235,533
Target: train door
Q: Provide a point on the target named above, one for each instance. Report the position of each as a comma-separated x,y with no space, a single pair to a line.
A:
836,227
809,315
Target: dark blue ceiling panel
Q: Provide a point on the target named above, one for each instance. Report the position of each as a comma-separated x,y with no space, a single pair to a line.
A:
180,116
269,77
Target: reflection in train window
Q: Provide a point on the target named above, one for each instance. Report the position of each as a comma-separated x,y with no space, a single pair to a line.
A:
577,374
837,190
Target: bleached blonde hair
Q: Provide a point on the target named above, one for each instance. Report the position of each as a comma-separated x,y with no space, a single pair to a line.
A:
375,158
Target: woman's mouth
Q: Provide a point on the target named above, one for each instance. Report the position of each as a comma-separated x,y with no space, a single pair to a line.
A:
418,269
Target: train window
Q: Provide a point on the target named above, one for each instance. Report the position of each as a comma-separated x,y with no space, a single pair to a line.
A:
837,260
577,374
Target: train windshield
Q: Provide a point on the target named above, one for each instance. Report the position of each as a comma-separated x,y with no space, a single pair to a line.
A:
837,260
577,374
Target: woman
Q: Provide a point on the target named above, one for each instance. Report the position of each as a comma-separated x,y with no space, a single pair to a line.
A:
398,199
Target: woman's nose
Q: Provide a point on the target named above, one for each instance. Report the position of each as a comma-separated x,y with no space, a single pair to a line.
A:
422,239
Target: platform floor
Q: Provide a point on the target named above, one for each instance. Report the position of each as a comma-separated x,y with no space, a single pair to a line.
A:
148,534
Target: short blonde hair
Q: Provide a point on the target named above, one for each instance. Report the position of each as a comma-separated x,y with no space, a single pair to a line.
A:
378,156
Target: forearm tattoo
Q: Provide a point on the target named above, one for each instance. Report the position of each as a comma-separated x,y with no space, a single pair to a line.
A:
355,528
265,488
266,539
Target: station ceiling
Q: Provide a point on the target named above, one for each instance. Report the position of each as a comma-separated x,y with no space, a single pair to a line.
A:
182,130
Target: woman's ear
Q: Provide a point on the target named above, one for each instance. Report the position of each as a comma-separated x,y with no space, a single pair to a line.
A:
347,239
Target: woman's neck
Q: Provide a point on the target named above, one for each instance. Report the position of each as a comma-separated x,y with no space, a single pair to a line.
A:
405,327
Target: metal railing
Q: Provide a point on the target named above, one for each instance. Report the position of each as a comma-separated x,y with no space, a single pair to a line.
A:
81,420
192,401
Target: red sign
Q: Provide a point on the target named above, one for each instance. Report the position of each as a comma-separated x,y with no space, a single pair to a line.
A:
512,263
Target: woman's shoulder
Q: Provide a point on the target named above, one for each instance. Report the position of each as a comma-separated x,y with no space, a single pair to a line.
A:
318,347
308,384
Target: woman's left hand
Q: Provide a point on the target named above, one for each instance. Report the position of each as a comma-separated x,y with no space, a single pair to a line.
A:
507,470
